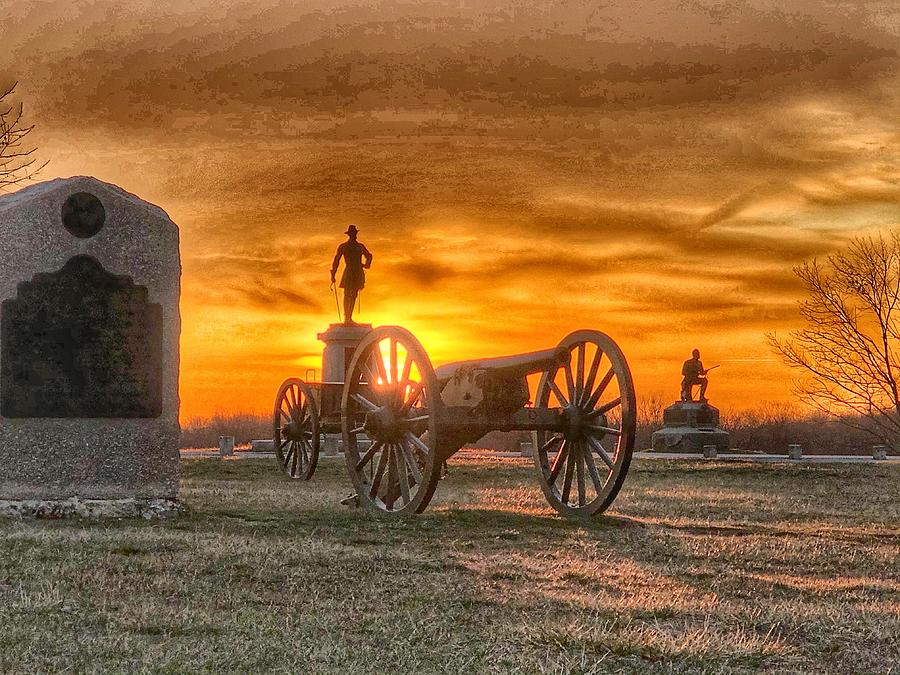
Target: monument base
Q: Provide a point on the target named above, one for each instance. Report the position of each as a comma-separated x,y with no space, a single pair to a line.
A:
340,341
74,507
262,445
688,439
688,426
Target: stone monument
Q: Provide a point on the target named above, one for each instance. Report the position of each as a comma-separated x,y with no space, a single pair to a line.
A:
340,340
89,331
688,426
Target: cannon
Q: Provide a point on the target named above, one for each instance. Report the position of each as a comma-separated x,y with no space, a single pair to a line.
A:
400,419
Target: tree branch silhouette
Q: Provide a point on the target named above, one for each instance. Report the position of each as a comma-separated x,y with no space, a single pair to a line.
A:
847,355
18,162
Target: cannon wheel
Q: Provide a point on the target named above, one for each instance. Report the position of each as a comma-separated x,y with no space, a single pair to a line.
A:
582,469
295,424
389,417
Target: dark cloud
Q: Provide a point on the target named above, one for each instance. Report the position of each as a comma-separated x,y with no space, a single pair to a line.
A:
735,204
424,273
745,246
775,282
837,194
263,294
428,56
712,310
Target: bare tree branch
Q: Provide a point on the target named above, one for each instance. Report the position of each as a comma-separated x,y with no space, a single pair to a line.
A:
17,161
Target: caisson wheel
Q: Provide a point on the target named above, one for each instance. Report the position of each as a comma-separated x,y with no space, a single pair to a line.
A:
295,425
389,417
582,468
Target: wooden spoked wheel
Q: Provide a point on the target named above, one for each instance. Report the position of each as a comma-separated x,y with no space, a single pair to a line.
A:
389,415
582,468
296,429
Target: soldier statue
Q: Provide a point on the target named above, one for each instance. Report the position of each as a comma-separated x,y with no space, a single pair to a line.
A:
693,374
354,278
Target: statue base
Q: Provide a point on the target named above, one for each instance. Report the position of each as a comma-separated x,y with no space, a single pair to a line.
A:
341,340
688,426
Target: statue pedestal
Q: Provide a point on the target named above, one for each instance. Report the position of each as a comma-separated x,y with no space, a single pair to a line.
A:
340,343
688,426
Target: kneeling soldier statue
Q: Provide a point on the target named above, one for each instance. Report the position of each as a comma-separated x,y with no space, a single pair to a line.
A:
689,426
694,374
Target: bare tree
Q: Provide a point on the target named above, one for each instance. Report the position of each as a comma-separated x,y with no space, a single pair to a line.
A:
848,353
650,409
17,160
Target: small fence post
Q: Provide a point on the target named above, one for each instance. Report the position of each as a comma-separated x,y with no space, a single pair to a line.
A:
332,445
226,446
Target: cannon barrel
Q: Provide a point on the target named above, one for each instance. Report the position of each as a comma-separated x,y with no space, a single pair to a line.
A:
517,365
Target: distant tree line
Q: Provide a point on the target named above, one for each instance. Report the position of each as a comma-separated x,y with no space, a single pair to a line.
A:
768,428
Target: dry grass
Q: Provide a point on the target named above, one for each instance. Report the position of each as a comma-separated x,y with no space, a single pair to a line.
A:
702,567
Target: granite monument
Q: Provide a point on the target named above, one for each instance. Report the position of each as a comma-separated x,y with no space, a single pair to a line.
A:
89,332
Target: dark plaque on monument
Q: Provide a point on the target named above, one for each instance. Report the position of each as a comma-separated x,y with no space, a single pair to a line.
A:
81,342
83,215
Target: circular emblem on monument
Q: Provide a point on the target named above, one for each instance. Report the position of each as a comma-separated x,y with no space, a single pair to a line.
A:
83,215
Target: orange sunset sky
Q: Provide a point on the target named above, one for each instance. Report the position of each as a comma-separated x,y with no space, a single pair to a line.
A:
652,169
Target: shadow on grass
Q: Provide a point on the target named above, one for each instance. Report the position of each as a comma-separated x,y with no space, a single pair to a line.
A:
343,522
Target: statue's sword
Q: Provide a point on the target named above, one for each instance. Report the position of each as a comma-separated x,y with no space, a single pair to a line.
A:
336,303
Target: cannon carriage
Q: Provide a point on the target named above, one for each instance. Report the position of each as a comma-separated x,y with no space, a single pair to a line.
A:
400,419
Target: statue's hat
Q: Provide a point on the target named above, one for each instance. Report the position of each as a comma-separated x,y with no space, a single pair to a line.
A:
351,230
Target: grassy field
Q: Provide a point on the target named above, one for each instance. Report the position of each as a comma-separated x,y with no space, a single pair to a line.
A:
700,567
